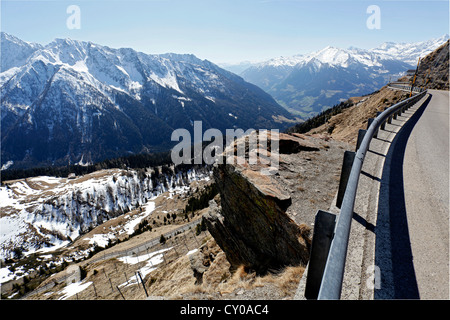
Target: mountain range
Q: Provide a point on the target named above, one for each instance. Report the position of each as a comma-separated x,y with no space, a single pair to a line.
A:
307,84
79,102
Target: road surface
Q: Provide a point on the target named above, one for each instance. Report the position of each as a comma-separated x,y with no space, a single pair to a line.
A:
426,192
412,228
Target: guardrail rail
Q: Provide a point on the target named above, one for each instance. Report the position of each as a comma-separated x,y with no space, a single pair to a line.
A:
406,86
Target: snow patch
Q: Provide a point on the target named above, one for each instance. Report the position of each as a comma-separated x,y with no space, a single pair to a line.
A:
168,81
100,240
74,288
149,207
192,251
153,259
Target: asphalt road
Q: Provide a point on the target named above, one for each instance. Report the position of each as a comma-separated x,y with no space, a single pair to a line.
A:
426,197
412,227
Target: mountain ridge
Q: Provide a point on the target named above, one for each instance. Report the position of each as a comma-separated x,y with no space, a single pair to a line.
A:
75,101
288,79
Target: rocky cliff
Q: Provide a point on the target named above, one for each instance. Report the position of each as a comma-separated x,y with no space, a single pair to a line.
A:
250,222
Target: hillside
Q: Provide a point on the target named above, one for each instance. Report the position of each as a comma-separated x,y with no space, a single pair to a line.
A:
49,212
194,259
50,223
345,125
433,70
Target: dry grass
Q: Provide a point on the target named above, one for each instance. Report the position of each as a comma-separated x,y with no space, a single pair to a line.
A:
176,280
285,280
347,123
172,280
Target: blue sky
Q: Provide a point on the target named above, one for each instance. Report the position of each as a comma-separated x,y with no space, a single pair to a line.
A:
227,30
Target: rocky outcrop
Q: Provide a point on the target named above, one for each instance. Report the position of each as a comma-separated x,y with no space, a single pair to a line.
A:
250,223
202,263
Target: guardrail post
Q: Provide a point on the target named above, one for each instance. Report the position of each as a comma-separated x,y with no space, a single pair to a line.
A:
369,122
347,163
361,134
324,224
384,122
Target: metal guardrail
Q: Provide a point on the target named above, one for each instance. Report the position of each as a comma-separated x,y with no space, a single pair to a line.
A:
333,268
406,86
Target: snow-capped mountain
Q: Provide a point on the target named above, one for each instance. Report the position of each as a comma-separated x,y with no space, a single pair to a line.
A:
310,83
15,51
410,52
282,61
307,84
72,100
345,58
266,73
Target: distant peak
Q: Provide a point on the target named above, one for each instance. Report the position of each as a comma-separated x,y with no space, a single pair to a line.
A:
5,35
282,61
9,37
69,42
